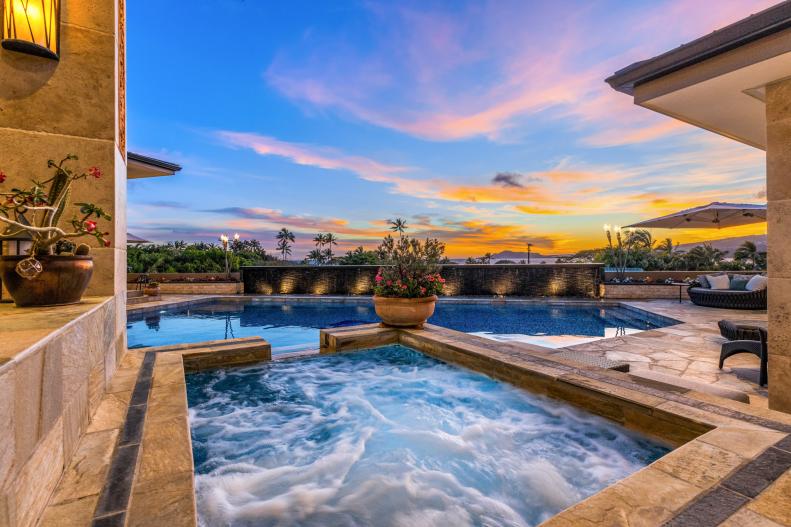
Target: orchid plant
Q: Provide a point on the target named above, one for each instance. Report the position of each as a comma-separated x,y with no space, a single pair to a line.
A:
411,268
38,210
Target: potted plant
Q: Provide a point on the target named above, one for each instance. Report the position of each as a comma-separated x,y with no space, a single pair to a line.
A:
151,289
54,271
407,285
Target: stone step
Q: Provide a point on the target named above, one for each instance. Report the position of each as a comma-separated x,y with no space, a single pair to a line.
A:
142,299
215,353
133,293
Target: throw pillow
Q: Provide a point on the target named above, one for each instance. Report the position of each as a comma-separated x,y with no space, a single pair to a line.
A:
757,283
719,282
703,282
739,283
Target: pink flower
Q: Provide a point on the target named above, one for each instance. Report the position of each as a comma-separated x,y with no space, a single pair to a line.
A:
379,278
403,286
441,280
389,282
95,172
106,243
2,176
423,290
90,226
430,278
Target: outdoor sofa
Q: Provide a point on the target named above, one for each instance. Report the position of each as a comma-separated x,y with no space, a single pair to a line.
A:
734,298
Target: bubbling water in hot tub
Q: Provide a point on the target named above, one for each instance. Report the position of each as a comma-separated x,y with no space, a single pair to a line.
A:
390,437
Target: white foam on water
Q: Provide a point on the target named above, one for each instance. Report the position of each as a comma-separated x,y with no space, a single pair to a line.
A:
389,437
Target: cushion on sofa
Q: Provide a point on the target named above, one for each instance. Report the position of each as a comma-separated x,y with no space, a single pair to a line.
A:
739,282
719,282
704,283
757,283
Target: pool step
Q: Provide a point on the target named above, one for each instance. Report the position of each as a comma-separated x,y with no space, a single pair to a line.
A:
214,353
355,337
589,359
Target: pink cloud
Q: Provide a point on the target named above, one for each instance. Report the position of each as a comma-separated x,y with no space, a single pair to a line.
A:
483,69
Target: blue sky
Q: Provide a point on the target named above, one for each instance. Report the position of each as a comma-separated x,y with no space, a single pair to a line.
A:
487,124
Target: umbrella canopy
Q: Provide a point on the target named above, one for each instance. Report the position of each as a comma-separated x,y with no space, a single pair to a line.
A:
712,216
131,239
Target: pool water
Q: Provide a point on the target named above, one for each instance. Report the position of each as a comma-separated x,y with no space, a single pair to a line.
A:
391,437
294,325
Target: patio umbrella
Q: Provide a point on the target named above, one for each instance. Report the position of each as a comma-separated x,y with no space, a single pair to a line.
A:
712,216
131,239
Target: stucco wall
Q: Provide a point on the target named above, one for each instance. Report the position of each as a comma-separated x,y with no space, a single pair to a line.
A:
463,280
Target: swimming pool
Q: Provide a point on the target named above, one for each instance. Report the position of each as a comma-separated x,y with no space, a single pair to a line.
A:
291,325
391,437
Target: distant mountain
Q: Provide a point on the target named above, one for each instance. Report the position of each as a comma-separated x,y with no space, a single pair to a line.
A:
730,245
519,255
516,256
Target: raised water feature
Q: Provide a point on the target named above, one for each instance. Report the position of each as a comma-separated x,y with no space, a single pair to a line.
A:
293,325
391,437
550,280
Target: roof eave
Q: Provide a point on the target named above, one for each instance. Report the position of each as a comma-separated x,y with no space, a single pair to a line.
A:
755,27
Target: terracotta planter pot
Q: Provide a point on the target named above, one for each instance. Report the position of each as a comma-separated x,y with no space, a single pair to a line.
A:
63,280
151,291
404,312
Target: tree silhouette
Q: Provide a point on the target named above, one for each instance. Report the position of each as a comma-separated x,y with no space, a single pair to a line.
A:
330,240
398,225
284,239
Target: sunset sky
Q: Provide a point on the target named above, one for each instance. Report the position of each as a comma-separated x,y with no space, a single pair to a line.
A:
486,124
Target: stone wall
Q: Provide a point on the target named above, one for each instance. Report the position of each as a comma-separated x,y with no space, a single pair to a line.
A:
131,278
778,195
49,109
641,291
660,276
201,288
578,280
48,392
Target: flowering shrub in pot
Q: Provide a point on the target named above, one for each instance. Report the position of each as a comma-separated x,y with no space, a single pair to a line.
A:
54,271
407,286
151,289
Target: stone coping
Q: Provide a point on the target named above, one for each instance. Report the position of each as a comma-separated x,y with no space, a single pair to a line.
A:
134,465
732,464
22,328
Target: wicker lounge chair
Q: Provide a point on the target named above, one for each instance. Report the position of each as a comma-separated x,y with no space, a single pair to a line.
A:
727,298
745,338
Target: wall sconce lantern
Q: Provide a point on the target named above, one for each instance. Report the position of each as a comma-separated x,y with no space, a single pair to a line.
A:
31,26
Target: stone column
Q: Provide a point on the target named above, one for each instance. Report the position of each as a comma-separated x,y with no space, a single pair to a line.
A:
778,187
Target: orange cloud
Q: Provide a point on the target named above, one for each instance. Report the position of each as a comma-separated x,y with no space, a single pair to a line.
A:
536,210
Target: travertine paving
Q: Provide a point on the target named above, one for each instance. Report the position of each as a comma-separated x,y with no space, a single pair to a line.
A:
690,350
732,465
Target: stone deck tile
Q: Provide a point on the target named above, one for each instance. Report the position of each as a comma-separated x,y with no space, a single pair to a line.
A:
745,517
699,463
774,503
626,503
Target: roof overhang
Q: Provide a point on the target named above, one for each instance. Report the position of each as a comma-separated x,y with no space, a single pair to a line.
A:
140,166
717,82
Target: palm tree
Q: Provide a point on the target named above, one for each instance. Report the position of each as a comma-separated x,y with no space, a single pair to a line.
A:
330,239
284,248
705,257
486,258
748,252
398,225
319,240
666,247
316,256
640,238
284,237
